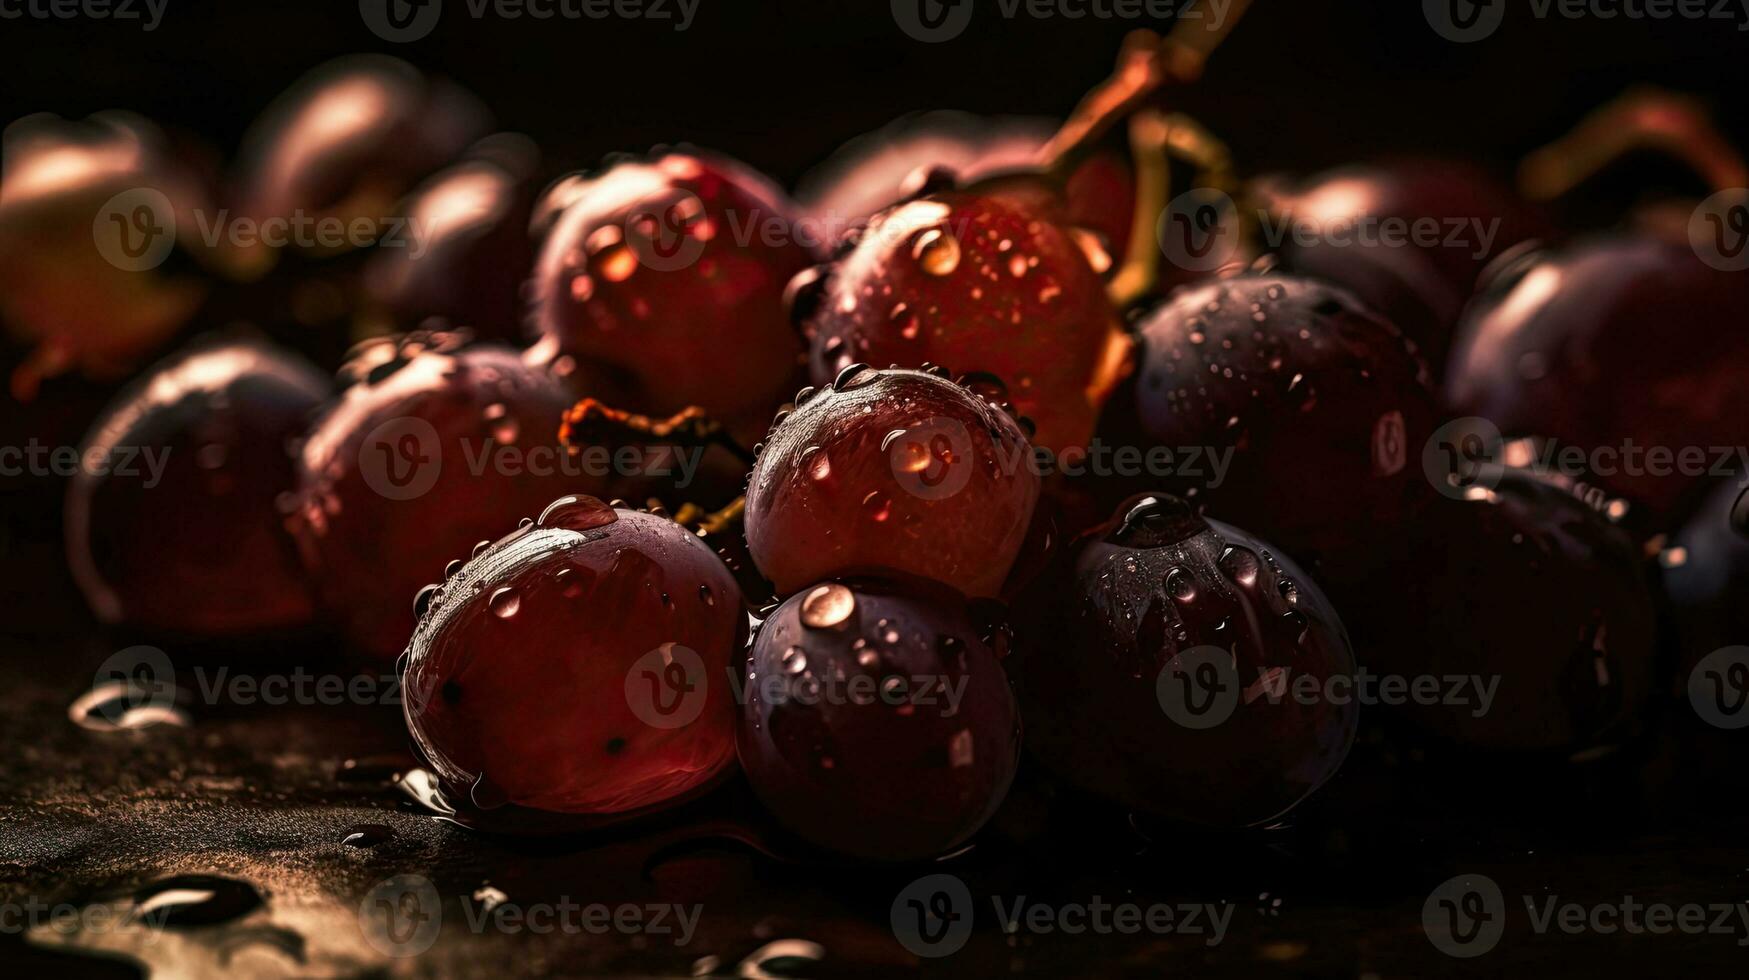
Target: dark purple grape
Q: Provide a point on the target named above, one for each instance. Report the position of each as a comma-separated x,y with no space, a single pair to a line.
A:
1165,674
1705,574
1523,585
468,247
174,521
879,723
1453,218
1323,406
1609,344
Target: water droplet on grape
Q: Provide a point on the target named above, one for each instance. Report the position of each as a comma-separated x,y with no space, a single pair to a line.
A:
577,513
937,251
1240,565
853,376
795,660
505,603
828,606
816,463
1181,584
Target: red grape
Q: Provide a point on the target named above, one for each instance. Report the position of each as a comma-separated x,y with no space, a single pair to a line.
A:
173,520
391,481
671,272
111,181
880,169
526,677
898,471
878,724
980,282
350,138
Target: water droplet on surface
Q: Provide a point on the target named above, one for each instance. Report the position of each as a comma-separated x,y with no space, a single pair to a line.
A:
505,603
795,660
367,835
194,901
126,705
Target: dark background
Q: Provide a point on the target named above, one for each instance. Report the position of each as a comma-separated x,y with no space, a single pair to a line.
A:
781,83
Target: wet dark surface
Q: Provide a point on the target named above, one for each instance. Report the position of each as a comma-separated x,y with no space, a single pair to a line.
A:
247,841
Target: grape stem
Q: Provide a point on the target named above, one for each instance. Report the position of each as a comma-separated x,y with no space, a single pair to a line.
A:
591,423
1156,140
1146,66
1643,119
714,522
